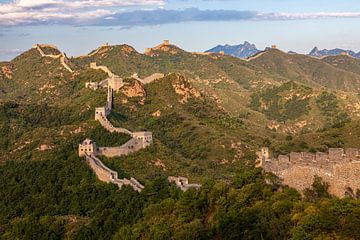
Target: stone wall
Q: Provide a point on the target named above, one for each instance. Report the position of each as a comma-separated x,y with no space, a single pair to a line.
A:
89,149
339,167
103,46
148,79
107,175
103,173
138,141
105,69
63,59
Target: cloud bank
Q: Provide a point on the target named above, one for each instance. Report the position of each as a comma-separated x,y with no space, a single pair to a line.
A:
118,13
27,12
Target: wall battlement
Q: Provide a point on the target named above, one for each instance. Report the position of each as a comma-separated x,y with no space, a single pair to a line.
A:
107,175
339,167
319,159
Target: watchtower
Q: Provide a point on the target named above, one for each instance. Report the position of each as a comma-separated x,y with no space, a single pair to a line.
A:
145,138
88,147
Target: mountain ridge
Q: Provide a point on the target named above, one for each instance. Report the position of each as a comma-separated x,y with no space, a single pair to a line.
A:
244,50
247,50
209,115
315,52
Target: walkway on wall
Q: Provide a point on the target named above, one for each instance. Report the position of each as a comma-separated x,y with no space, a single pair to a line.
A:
105,45
61,56
110,127
255,56
148,79
102,68
107,175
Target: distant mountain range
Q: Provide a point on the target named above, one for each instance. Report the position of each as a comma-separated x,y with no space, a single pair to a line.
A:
244,50
247,49
333,52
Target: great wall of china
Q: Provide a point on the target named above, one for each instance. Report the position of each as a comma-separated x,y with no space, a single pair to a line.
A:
339,167
61,55
138,141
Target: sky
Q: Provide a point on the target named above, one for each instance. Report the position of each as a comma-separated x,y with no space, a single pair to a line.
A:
79,26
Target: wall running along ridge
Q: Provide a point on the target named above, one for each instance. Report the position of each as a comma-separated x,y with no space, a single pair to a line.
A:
138,141
63,59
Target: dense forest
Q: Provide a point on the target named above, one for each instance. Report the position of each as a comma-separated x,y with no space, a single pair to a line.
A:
61,198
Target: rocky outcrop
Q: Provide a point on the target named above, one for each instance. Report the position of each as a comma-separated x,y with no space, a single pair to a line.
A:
184,89
7,71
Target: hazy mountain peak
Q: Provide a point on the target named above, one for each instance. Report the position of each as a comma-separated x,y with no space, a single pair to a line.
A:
244,50
315,52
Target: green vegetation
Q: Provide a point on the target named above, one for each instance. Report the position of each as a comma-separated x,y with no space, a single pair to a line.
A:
53,194
288,102
68,202
329,107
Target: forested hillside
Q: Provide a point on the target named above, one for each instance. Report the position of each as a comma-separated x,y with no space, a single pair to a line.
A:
209,115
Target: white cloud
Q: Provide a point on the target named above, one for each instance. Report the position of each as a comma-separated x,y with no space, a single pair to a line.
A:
115,12
299,16
42,11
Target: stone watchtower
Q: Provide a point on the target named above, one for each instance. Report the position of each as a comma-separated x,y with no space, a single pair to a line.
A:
145,138
88,147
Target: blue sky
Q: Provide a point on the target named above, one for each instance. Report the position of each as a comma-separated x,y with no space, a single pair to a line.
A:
78,26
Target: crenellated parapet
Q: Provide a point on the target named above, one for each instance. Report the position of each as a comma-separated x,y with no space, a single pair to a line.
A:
339,167
319,159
